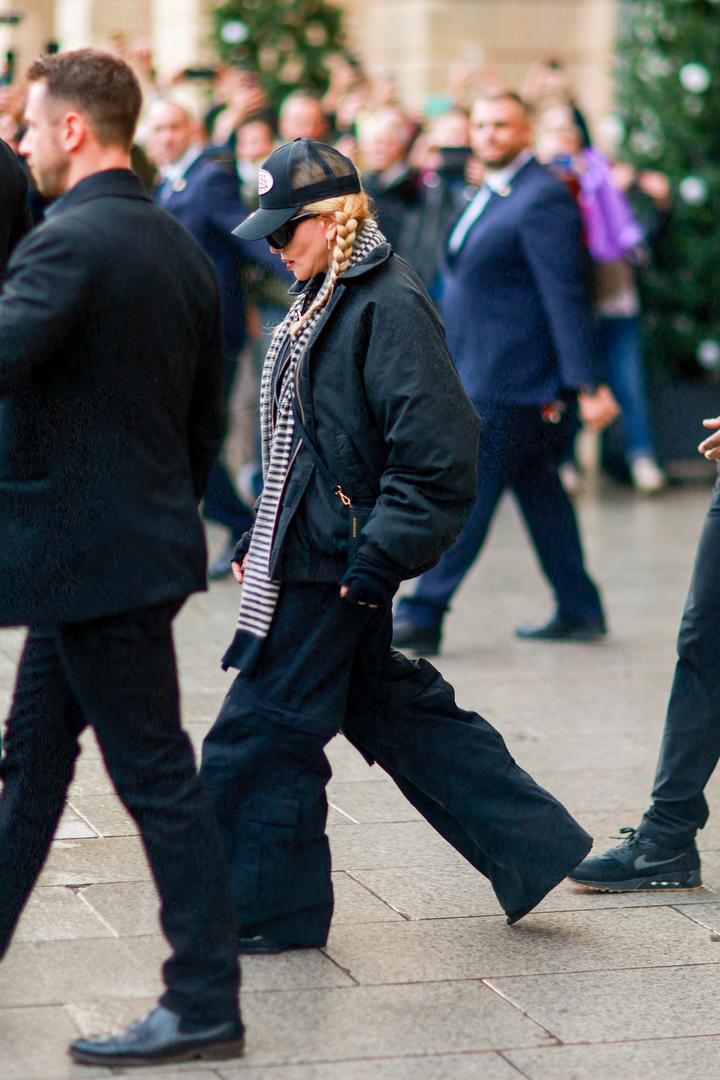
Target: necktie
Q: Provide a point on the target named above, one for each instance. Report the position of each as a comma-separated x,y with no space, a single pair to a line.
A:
468,218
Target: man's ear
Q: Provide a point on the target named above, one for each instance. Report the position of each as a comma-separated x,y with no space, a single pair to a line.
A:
74,131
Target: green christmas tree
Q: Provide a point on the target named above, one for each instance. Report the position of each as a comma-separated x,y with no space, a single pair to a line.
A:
287,42
669,105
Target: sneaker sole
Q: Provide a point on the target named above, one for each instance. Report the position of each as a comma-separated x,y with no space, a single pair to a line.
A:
217,1052
690,883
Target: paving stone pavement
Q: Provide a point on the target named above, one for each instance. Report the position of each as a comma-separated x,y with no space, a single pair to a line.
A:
421,978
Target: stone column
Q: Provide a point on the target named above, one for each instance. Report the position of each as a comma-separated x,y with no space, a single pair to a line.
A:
419,40
30,36
79,23
180,34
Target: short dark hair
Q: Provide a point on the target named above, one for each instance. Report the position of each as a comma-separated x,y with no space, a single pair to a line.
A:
101,85
504,95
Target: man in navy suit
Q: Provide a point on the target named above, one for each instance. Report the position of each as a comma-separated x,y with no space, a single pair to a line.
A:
519,328
204,197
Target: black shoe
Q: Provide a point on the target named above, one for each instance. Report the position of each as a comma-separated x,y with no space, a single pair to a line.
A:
639,864
260,945
161,1038
419,639
222,566
559,628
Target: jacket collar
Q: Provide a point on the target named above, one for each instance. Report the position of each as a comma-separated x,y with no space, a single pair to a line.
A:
120,183
377,257
500,181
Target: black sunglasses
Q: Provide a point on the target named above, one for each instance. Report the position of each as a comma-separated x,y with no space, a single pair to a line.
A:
282,236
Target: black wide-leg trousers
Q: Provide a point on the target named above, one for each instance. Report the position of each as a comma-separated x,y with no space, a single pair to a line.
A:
690,747
118,675
327,666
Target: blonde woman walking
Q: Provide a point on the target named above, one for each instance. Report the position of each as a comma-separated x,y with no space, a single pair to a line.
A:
369,458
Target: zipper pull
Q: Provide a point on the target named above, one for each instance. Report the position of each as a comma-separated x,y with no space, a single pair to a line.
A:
344,499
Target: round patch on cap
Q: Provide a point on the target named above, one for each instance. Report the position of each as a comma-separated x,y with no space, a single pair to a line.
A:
265,182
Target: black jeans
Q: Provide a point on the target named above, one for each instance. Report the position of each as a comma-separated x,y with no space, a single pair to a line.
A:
691,740
326,665
118,675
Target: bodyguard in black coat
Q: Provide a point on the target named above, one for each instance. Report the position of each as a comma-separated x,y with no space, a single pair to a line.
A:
100,476
110,391
15,218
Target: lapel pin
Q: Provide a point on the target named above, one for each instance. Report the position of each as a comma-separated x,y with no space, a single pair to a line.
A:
504,191
180,184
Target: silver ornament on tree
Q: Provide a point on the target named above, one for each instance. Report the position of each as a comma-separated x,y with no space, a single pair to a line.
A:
695,78
708,354
694,190
234,32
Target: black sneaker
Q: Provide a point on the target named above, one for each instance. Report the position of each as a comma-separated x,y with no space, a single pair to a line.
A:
639,864
415,638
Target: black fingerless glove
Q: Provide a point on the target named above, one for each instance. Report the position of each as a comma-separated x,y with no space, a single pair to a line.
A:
371,581
242,547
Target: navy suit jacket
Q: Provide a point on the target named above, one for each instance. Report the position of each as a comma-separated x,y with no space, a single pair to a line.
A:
515,305
207,202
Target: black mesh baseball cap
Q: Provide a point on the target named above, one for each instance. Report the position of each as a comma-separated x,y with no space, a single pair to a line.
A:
300,172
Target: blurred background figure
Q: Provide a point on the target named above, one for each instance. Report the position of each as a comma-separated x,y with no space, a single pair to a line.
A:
204,197
519,328
302,116
616,244
266,287
384,141
238,96
446,187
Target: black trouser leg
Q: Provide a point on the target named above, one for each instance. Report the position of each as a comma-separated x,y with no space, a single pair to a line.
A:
691,740
121,671
37,767
456,769
263,763
267,782
550,517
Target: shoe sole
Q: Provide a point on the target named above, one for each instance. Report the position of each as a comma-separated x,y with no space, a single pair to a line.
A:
218,1052
691,883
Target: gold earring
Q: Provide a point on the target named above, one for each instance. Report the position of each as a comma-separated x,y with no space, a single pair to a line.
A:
329,243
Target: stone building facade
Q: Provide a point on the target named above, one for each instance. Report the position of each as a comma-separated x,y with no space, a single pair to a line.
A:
414,40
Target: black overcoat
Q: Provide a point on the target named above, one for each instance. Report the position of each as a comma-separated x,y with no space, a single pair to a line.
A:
110,408
15,218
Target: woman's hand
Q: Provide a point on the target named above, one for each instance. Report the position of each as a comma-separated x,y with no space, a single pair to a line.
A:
345,589
710,447
238,570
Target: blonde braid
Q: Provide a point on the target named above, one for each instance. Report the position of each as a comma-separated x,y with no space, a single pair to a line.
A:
346,233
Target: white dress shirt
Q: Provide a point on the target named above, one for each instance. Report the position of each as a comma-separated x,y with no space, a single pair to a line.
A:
496,182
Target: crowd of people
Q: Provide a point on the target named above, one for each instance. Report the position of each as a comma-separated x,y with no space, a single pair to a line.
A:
119,348
420,171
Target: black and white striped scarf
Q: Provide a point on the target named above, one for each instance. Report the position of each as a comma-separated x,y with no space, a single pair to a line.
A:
277,424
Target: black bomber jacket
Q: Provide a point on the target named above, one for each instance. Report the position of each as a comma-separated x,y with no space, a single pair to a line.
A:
385,409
